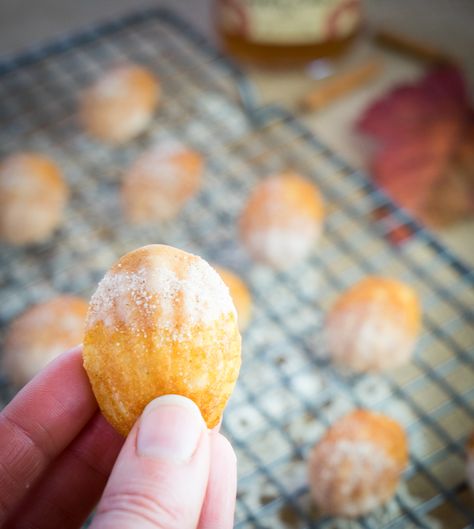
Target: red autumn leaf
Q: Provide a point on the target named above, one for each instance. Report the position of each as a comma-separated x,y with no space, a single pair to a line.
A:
446,87
411,109
399,114
407,170
423,130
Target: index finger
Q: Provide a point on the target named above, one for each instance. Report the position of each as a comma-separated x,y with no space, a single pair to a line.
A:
39,423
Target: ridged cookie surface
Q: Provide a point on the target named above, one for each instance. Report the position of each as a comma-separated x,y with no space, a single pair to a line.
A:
161,322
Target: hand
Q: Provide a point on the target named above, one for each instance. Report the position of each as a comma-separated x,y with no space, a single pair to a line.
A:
57,453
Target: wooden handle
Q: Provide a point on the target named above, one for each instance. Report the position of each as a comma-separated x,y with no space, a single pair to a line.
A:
410,46
339,85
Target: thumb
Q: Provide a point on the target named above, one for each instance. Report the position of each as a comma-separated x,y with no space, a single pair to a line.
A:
160,477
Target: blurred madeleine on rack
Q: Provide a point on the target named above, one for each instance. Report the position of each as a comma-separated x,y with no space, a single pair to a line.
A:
282,220
160,182
40,334
240,295
374,325
356,466
120,104
33,196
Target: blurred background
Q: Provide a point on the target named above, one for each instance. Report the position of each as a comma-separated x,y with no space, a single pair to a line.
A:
439,26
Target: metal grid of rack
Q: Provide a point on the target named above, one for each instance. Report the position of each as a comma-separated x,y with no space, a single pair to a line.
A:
288,392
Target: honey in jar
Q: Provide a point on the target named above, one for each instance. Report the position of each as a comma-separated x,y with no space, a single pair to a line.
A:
287,32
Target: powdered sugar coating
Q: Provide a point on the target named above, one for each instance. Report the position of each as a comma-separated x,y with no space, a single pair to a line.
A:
357,464
348,473
119,104
157,164
374,324
33,196
40,334
161,322
118,295
287,245
160,181
165,149
282,219
113,83
365,337
172,297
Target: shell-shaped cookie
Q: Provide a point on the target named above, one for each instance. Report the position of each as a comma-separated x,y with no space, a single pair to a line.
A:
160,181
161,322
282,220
119,105
33,195
356,466
41,333
373,326
240,295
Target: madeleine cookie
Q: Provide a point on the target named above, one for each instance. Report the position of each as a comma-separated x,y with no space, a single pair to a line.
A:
240,295
356,466
120,104
374,325
40,334
160,182
33,195
161,322
282,220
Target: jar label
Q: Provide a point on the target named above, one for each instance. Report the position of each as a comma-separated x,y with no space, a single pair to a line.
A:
289,21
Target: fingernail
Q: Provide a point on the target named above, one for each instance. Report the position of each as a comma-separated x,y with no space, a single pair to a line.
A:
170,429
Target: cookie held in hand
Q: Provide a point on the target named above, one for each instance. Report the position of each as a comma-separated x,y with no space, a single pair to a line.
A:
161,322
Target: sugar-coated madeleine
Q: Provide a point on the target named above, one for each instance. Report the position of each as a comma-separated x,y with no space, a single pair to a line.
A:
373,326
282,220
40,334
33,195
160,182
120,104
356,466
239,293
161,322
470,461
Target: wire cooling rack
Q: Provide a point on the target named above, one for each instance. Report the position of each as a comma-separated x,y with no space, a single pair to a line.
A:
288,392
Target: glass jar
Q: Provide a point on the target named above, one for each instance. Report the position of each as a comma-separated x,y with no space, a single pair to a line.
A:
287,32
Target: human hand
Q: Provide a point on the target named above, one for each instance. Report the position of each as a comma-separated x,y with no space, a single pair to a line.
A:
57,453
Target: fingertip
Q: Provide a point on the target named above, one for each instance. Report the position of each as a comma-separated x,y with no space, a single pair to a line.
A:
166,458
170,429
72,358
174,400
217,427
221,447
75,351
219,504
